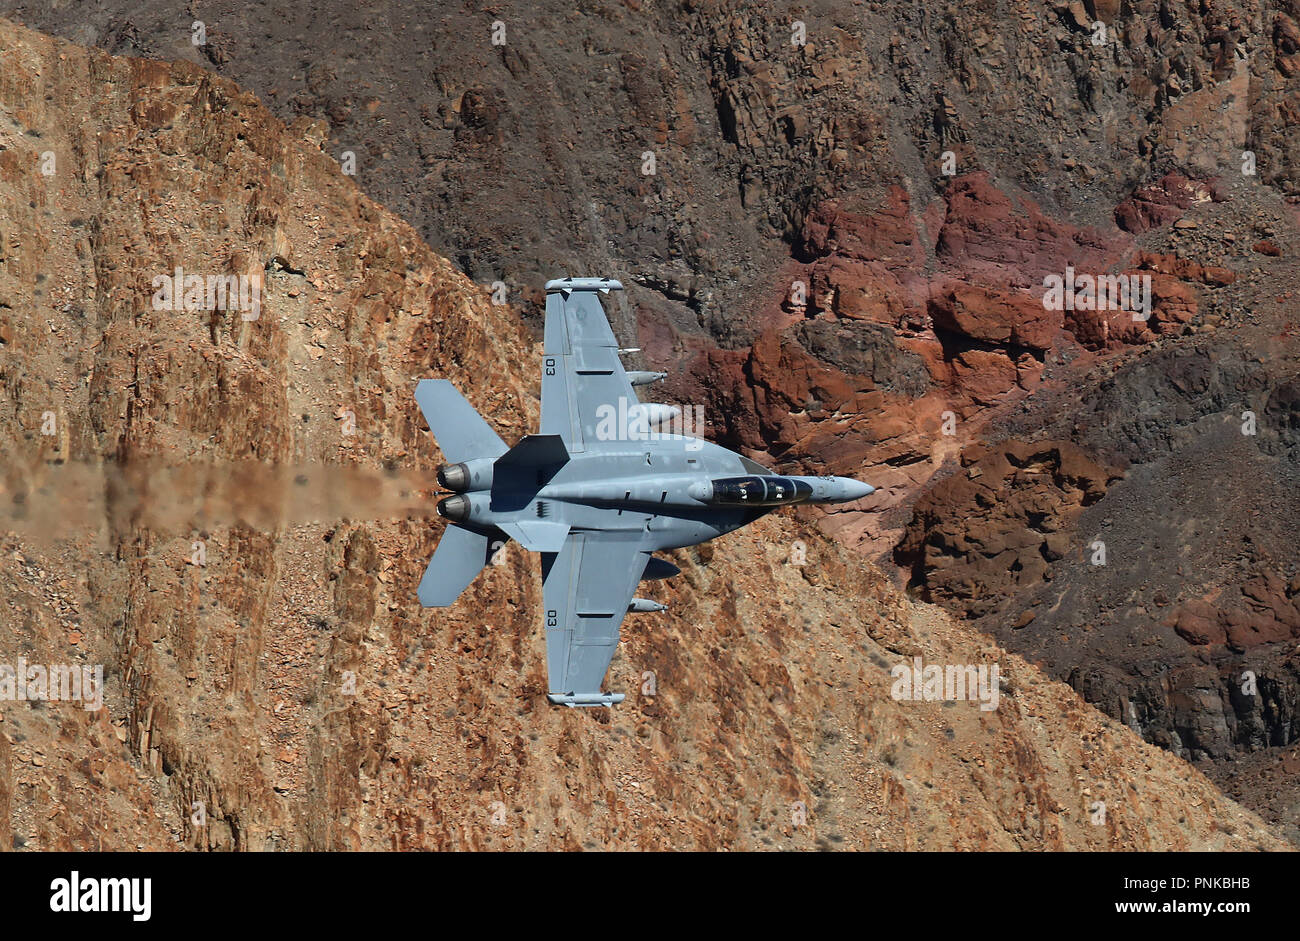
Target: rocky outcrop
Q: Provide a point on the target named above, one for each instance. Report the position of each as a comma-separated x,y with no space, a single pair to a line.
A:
1172,608
1260,611
996,527
755,116
1164,202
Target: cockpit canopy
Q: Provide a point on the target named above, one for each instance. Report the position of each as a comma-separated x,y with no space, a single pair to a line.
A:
768,490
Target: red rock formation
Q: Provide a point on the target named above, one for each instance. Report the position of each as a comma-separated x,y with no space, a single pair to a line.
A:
1262,610
1163,202
952,308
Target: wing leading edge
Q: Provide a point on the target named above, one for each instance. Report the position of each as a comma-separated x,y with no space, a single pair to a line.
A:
586,589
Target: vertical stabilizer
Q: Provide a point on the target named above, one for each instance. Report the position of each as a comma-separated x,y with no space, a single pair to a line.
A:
460,431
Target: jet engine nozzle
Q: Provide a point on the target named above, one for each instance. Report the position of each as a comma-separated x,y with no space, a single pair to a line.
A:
470,475
454,508
453,477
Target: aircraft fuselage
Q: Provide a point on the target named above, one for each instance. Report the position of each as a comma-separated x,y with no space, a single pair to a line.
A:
663,486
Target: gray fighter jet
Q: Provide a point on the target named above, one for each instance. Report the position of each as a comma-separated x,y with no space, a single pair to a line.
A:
596,492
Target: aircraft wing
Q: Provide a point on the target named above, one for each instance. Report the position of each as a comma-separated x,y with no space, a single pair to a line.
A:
586,588
582,375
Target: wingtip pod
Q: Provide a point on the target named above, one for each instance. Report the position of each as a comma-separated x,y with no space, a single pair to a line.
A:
568,285
580,700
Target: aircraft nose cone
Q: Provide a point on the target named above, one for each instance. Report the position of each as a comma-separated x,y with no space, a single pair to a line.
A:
851,489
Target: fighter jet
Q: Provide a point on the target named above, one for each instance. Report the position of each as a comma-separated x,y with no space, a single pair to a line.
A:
597,491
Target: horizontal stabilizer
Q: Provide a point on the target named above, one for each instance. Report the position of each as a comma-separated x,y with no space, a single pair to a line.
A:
460,431
460,556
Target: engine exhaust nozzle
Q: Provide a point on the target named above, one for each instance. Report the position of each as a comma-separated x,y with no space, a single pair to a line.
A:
454,477
454,508
474,474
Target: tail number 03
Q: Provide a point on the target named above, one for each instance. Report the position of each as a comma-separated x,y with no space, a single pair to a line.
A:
550,366
552,619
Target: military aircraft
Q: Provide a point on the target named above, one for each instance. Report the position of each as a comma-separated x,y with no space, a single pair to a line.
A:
597,491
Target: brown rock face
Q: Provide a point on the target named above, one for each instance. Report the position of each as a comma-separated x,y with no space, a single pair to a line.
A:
904,334
997,318
278,674
997,526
